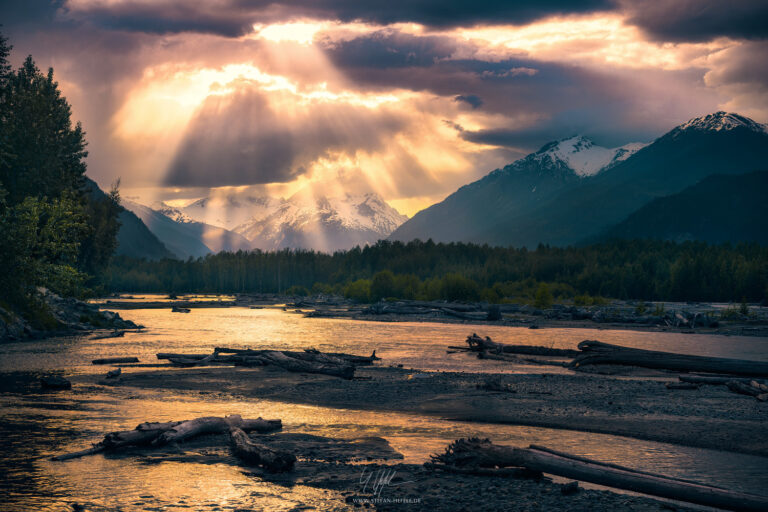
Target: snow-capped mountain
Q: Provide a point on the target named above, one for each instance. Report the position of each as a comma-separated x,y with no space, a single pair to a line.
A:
172,212
582,156
322,223
571,190
513,190
720,121
229,210
305,220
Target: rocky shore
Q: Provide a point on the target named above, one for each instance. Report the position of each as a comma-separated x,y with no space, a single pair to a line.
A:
747,320
62,317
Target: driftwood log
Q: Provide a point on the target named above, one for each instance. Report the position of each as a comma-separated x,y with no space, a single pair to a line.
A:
345,371
478,344
476,453
214,425
158,434
250,452
306,361
596,353
115,360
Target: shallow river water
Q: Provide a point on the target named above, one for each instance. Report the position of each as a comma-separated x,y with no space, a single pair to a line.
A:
35,425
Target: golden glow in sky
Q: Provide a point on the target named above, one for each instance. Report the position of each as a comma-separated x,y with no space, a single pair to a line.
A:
427,135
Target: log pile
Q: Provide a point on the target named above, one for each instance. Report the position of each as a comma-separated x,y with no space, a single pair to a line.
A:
476,454
160,434
307,361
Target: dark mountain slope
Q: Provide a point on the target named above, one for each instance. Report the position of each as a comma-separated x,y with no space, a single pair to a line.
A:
134,238
718,209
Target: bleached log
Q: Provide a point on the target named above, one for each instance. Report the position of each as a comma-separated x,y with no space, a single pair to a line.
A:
482,453
215,425
245,449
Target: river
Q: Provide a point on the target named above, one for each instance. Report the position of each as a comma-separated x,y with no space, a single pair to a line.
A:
35,425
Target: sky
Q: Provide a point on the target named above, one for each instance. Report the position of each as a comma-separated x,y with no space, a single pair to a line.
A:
411,99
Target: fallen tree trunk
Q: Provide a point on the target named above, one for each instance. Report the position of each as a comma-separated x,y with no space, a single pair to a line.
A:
482,453
157,434
115,360
595,353
245,449
478,344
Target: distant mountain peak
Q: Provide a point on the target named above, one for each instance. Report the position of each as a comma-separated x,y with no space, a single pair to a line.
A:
722,121
582,155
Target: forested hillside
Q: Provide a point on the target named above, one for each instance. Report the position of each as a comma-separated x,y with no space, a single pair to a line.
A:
54,233
620,269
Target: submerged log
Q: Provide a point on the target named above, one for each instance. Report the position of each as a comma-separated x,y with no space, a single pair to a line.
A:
55,382
115,360
486,344
484,454
245,449
113,334
596,353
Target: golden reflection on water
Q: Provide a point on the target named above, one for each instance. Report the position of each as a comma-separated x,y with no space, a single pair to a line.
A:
35,426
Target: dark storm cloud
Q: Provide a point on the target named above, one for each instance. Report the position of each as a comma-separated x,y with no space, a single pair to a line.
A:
699,20
168,17
440,13
472,100
542,100
390,49
235,17
239,139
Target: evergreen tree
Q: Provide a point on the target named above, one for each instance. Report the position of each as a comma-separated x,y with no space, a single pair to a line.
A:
47,153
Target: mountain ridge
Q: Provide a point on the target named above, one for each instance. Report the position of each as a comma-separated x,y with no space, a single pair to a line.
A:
509,208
